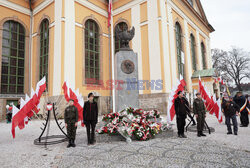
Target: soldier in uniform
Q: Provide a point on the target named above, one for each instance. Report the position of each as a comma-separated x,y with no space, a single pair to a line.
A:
199,110
180,105
71,118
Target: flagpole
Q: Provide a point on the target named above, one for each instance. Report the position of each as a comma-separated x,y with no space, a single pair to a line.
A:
113,57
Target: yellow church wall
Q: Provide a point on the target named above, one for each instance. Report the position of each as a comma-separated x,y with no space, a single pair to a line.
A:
47,11
36,3
143,12
51,61
7,12
192,31
171,77
162,58
22,3
100,4
120,3
126,15
159,8
191,16
63,8
145,56
62,51
81,13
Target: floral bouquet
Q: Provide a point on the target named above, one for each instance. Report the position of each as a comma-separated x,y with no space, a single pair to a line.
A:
130,122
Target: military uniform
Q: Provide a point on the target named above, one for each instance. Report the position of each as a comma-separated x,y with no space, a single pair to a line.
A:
71,117
200,110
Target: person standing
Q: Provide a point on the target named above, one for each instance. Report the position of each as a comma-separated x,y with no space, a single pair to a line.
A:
242,102
180,104
231,109
199,110
90,118
71,119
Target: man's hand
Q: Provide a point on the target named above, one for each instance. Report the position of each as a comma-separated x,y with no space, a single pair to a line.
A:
196,115
66,125
76,124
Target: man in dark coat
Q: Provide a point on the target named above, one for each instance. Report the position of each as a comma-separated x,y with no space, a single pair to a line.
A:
242,102
90,117
199,110
231,109
180,104
71,119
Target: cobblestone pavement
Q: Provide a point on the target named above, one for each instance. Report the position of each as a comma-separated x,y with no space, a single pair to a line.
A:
215,150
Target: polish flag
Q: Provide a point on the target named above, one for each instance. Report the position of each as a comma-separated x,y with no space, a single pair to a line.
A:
109,12
173,95
70,93
21,116
220,80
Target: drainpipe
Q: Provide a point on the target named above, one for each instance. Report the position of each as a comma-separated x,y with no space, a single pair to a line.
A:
30,44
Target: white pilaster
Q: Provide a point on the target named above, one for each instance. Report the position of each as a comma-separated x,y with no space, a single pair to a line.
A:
136,42
209,56
188,60
172,46
69,51
165,45
198,44
154,43
57,49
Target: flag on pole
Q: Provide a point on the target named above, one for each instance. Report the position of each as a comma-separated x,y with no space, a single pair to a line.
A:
173,95
109,12
20,116
70,93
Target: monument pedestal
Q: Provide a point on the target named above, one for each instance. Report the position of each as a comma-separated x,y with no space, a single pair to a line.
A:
126,76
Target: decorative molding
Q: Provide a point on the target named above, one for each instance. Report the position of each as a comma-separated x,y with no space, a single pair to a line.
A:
172,5
93,7
127,6
41,6
15,7
144,23
106,35
78,24
34,34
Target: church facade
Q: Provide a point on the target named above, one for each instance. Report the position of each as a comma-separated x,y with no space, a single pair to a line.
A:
69,40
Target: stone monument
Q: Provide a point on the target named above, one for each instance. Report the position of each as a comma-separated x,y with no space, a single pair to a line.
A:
126,72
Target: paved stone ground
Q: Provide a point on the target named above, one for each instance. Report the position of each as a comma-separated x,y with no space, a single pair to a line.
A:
215,150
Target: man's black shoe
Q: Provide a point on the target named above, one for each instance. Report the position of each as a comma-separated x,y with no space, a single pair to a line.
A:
229,133
183,136
235,133
73,143
202,134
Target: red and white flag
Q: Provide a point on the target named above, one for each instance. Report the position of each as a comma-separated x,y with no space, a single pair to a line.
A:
70,93
27,107
173,95
109,12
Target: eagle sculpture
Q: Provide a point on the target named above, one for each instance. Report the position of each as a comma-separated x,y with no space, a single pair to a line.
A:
124,37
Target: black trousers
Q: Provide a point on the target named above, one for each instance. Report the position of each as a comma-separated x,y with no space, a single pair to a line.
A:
90,134
234,120
181,122
244,118
200,122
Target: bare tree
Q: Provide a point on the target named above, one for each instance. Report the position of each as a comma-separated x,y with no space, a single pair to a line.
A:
233,65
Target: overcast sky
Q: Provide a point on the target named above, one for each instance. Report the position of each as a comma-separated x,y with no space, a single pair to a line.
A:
231,21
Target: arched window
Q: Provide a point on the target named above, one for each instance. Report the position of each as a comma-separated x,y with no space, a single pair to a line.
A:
193,54
203,54
92,52
179,48
190,2
13,58
123,26
44,49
